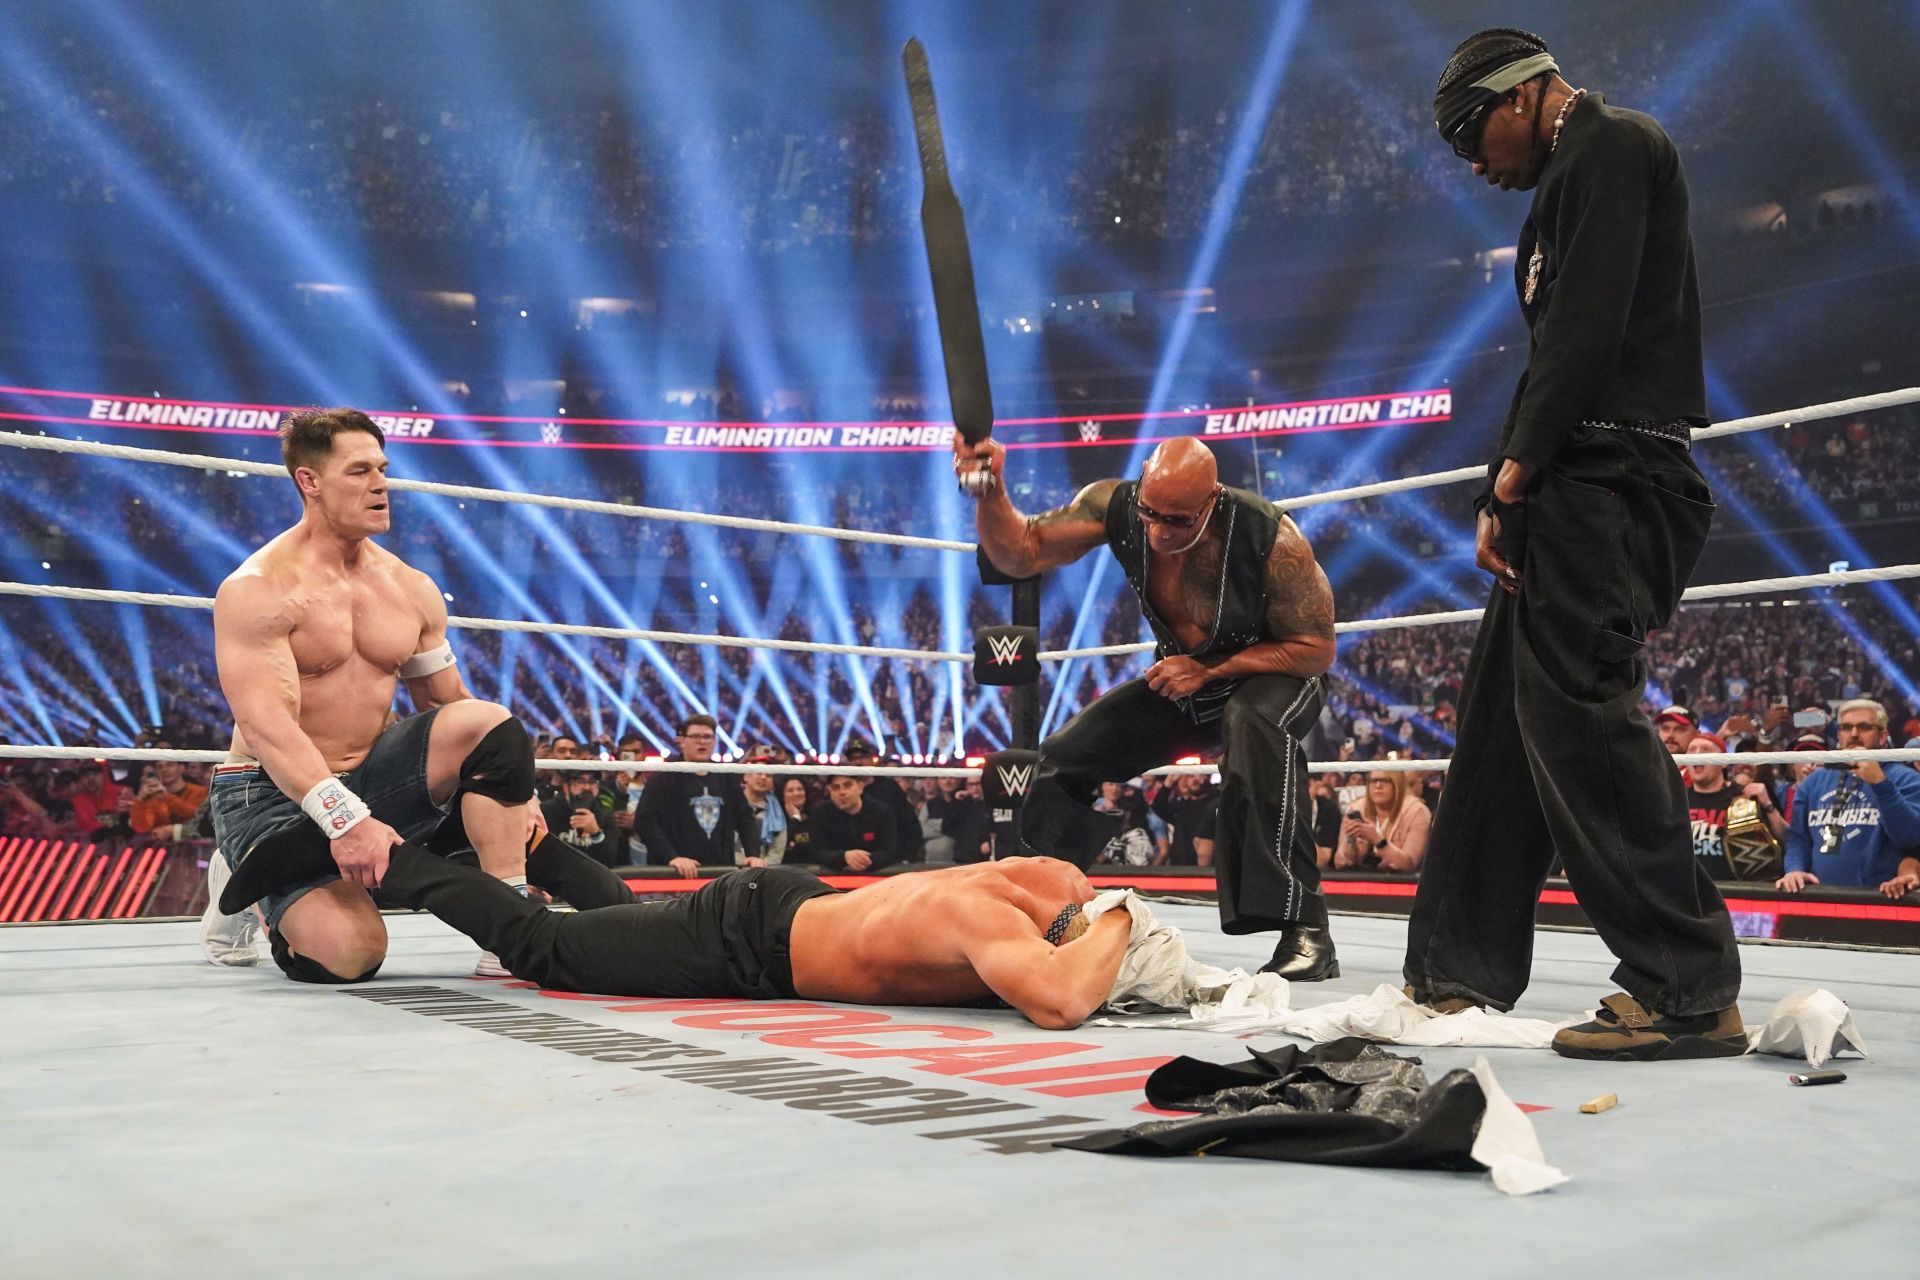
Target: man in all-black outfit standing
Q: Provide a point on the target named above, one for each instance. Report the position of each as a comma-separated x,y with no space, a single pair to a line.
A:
1591,524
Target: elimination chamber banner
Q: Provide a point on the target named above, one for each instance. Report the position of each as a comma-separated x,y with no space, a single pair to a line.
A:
29,405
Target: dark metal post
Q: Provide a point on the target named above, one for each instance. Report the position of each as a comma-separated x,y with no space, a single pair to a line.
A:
1026,698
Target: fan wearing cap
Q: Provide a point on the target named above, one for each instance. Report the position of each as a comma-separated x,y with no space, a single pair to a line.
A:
1676,727
1591,521
909,839
1709,794
1808,740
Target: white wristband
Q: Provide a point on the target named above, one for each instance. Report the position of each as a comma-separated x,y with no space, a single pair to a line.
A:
335,808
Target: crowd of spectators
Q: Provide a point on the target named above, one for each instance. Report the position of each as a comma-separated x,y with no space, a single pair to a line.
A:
1842,461
1839,464
1735,667
380,159
480,172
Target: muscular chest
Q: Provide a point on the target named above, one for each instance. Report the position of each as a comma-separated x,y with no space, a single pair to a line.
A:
1185,592
371,624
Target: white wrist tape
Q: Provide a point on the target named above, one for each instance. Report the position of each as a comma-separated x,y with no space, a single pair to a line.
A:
432,662
336,809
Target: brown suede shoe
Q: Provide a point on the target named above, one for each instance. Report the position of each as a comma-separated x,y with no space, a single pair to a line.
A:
1624,1030
1445,1004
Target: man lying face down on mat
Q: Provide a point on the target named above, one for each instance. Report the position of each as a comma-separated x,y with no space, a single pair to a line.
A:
1011,929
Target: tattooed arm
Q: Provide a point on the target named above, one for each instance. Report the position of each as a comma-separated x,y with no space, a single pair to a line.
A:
1299,615
1024,545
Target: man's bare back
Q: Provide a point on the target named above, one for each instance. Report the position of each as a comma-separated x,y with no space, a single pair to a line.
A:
957,936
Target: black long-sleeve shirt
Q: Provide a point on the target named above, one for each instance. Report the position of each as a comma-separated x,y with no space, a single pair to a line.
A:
833,832
966,821
695,815
909,838
1184,814
558,814
1615,320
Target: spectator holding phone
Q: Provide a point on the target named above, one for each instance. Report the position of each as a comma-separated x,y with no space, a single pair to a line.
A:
627,789
167,798
1388,830
22,811
1856,824
582,814
96,800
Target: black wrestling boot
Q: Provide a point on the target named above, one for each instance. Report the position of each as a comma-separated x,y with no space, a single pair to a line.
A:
1305,954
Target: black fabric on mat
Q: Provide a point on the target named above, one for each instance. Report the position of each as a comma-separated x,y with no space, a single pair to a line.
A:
1346,1102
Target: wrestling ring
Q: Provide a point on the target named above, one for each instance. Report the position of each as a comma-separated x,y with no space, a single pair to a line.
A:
460,1126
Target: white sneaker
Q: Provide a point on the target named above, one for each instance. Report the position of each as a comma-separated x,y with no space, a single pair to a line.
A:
225,939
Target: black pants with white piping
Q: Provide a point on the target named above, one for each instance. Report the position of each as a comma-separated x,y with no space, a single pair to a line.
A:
1263,853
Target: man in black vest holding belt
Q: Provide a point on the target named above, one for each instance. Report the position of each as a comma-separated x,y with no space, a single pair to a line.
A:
1244,620
1591,524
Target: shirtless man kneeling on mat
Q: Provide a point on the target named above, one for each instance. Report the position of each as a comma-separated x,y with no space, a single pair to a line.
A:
312,634
958,936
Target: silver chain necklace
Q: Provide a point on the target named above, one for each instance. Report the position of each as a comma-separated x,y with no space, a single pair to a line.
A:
1538,259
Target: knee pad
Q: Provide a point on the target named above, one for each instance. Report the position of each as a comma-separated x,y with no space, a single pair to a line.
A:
500,766
305,969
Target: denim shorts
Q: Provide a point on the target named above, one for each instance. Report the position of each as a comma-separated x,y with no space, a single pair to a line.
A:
248,807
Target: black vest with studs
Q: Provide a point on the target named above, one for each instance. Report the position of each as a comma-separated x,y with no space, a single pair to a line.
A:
1251,523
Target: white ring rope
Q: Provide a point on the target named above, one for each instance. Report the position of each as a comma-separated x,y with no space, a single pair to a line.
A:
1760,422
18,751
213,462
1712,591
1884,755
503,624
207,462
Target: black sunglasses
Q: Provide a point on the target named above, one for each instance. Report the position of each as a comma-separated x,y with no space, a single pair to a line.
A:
1466,138
1151,516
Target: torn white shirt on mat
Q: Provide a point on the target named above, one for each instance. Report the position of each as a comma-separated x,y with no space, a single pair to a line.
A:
1158,976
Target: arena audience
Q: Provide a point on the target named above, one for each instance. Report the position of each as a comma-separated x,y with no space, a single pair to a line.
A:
444,165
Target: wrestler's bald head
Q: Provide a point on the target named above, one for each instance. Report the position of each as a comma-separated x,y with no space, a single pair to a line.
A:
1177,489
1180,475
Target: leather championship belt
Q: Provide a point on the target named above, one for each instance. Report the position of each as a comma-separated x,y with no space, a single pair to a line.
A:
1752,852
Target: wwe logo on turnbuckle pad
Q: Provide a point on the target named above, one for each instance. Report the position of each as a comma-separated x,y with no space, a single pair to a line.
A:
1006,782
1006,655
1005,649
1090,432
